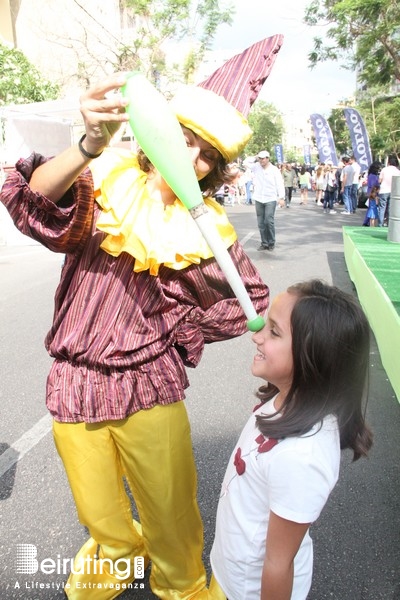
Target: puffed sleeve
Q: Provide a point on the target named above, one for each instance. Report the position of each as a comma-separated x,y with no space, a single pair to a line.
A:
61,227
216,314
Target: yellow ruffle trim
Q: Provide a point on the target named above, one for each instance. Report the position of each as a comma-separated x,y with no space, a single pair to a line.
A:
152,233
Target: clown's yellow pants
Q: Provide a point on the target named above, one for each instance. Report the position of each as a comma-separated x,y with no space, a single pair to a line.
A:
153,450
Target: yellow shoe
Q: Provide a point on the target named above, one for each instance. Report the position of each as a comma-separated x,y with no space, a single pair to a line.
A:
94,577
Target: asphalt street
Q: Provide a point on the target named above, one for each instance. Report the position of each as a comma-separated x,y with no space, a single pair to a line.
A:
356,539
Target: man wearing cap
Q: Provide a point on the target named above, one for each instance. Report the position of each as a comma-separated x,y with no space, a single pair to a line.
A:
140,295
267,191
347,178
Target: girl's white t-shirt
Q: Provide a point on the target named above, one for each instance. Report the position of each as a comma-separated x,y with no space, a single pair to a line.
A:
294,480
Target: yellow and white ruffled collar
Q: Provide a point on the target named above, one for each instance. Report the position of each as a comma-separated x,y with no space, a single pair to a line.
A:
152,233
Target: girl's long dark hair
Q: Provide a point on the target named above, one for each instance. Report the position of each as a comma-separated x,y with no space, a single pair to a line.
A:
374,168
330,346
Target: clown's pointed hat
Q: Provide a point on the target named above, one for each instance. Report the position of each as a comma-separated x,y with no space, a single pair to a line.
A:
241,78
217,108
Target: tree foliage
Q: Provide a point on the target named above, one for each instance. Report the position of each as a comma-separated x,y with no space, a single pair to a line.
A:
365,32
141,35
267,125
340,132
20,81
156,21
381,116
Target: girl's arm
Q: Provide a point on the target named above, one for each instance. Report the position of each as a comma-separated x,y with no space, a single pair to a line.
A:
103,114
283,541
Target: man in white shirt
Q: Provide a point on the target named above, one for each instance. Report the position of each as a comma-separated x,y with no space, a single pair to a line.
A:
356,181
268,188
385,180
347,178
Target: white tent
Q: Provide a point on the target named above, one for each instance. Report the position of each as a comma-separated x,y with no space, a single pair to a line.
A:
46,127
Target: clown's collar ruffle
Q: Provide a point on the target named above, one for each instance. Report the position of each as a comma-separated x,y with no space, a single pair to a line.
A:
152,233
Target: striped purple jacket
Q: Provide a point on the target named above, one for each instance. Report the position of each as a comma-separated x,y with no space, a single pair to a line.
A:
120,339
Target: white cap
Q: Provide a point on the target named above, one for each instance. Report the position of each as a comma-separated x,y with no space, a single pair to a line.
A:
263,154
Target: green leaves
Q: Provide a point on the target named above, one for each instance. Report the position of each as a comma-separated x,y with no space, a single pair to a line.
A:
381,115
365,31
20,81
195,22
267,125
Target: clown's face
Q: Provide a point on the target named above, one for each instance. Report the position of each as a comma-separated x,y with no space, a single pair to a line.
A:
204,156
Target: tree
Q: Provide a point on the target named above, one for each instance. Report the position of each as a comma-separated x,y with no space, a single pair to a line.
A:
340,132
381,116
267,124
148,30
197,22
20,81
365,32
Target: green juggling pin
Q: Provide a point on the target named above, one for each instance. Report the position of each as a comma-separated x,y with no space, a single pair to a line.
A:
159,134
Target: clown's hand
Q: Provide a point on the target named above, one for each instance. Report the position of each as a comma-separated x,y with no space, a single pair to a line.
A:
103,111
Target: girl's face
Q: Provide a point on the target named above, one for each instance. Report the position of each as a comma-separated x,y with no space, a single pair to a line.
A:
204,156
274,360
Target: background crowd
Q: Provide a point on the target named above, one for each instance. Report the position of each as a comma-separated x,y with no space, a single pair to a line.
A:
342,187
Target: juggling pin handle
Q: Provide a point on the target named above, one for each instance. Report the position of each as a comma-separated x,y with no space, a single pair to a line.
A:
158,131
207,227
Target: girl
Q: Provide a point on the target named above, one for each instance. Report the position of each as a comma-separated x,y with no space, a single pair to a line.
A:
372,212
313,352
320,184
329,195
373,176
305,184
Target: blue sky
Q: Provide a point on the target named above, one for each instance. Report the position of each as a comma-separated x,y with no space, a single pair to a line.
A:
292,86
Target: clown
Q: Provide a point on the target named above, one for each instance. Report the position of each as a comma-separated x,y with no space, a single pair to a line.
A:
139,296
